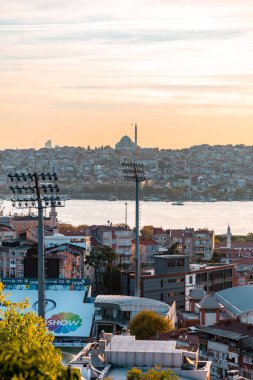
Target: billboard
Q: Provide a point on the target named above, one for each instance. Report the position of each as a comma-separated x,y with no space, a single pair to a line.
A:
66,314
53,284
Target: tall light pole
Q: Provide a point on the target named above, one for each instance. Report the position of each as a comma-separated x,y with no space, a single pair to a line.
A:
126,214
28,191
135,172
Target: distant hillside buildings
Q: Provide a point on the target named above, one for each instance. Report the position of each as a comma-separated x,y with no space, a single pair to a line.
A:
207,173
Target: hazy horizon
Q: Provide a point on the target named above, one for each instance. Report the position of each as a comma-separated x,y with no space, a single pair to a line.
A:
81,72
55,145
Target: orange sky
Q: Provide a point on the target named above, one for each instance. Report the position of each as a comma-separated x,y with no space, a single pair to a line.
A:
80,73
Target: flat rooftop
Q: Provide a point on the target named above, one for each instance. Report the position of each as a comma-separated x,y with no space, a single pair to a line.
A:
129,344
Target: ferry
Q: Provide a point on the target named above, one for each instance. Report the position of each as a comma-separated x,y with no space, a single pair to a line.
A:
177,203
113,198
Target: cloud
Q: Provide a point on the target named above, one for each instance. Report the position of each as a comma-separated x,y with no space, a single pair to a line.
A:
185,53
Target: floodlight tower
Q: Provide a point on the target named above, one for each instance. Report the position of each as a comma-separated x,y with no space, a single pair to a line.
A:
37,190
135,172
126,213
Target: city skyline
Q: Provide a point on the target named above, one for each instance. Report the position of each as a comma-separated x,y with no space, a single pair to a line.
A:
81,73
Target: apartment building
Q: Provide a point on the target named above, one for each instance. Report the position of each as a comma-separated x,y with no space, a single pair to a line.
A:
148,248
229,346
12,259
119,238
203,244
197,244
173,277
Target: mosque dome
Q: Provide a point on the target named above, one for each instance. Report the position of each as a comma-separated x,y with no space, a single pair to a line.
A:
125,143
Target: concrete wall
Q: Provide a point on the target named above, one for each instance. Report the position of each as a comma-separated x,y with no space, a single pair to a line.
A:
169,264
143,358
165,289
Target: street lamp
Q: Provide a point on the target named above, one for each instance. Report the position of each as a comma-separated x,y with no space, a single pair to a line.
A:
37,190
134,172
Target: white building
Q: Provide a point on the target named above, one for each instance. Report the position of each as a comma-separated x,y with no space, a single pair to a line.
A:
123,352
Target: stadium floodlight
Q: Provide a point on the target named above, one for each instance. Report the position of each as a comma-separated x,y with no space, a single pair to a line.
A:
32,190
135,172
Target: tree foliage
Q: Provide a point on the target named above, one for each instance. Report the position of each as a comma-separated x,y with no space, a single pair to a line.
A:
69,228
152,374
147,232
101,258
146,324
174,249
26,349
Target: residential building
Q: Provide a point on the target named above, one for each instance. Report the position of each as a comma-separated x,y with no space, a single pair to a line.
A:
173,277
7,233
12,259
229,347
203,244
119,238
147,249
197,244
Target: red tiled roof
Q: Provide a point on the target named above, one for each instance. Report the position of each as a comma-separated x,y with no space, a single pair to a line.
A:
146,242
235,245
158,230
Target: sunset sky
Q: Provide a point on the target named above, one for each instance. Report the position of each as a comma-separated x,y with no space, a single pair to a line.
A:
80,72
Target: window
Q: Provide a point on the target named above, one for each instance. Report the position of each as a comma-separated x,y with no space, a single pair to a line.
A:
175,294
172,263
190,280
161,297
247,359
161,285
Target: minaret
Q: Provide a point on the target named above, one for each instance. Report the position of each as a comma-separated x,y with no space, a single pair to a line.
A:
229,237
135,135
53,217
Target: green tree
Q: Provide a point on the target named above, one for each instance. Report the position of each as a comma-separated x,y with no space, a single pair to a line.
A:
216,257
135,374
156,373
174,249
147,324
249,237
69,228
147,232
101,258
26,349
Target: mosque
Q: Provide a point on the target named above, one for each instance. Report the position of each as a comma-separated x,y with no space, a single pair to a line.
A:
126,143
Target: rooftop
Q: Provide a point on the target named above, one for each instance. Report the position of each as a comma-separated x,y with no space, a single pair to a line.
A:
197,294
209,303
129,344
230,329
129,303
238,300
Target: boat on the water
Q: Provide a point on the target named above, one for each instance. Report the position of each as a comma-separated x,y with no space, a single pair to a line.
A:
112,198
177,203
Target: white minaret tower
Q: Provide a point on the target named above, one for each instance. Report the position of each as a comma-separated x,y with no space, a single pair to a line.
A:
53,217
135,135
229,237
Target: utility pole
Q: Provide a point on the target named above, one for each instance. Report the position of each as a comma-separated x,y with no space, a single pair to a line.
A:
135,172
28,191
